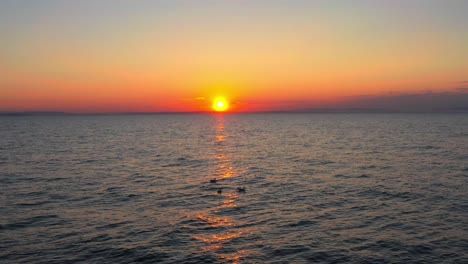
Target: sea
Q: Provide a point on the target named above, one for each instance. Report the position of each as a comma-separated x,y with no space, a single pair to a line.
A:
163,188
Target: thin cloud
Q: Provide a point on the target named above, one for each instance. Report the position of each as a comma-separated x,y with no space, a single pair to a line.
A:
462,89
425,101
192,99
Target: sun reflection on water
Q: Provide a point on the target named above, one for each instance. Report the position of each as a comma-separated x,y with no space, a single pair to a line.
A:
230,202
216,221
220,138
219,238
234,258
223,228
224,169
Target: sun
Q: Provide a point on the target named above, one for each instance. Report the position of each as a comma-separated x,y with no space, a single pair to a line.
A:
220,104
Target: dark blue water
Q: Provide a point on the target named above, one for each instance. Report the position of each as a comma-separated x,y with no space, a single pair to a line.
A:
320,188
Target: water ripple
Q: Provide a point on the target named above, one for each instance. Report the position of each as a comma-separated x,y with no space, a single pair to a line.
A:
319,189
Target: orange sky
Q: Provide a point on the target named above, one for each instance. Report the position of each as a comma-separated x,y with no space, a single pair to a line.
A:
261,55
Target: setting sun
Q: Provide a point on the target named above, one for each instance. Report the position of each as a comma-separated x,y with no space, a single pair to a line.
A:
220,104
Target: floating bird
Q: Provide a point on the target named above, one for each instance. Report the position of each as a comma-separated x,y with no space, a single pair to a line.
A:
220,190
214,180
241,189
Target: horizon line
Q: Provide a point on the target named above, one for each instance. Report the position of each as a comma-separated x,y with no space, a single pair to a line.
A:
300,111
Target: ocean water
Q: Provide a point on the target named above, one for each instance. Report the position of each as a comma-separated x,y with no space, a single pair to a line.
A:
320,188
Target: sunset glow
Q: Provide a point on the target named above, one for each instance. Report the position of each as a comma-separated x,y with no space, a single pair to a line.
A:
164,56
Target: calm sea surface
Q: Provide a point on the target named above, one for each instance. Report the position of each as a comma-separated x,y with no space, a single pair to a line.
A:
320,188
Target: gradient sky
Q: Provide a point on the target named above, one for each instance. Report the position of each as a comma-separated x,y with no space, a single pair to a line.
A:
140,56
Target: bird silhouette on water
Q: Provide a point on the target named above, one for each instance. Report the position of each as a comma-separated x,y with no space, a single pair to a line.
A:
220,190
214,180
241,189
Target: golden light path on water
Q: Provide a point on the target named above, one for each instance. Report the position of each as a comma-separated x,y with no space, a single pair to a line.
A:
226,228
